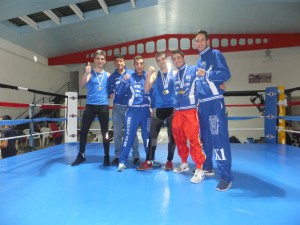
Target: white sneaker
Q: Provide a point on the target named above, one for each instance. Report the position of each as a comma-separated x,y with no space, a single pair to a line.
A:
121,167
198,176
183,167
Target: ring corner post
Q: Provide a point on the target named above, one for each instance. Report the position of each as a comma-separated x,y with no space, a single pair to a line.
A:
282,103
271,115
71,115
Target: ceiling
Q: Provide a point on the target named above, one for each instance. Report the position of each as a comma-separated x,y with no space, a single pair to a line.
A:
82,25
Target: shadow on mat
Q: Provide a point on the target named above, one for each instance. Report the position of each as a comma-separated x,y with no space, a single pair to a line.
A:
254,187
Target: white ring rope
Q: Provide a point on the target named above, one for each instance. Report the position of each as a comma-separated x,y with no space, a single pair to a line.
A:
290,131
29,135
246,129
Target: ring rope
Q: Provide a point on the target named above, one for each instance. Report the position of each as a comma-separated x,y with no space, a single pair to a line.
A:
26,105
29,135
244,117
22,121
30,90
291,118
291,131
246,129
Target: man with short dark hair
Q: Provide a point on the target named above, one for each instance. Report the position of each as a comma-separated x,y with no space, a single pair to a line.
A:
119,108
212,72
96,105
138,112
8,146
185,123
163,86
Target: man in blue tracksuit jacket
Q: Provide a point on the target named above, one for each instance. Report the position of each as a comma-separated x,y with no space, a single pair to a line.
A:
212,73
138,112
119,108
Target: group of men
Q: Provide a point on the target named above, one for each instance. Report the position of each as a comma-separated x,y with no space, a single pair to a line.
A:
189,99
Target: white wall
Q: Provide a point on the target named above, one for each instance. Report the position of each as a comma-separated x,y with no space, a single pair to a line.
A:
285,69
18,68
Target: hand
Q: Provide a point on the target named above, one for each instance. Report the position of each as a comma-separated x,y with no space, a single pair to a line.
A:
112,96
88,68
150,71
126,77
152,111
201,72
222,86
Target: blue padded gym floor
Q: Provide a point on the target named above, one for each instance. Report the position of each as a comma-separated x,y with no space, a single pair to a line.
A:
41,187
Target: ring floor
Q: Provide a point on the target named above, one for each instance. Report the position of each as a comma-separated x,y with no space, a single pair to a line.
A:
41,187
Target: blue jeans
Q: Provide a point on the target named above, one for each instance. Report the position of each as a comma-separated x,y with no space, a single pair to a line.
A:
118,118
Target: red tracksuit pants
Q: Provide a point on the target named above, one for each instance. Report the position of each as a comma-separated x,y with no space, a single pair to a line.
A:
185,126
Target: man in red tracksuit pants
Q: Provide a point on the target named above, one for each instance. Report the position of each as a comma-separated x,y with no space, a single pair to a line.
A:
185,123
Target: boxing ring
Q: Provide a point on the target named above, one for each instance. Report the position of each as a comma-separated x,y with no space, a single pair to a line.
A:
40,187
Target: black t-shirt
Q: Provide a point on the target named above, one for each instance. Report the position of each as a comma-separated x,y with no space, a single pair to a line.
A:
10,149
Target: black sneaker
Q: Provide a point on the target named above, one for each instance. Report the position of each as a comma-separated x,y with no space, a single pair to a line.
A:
136,161
80,158
223,185
210,172
106,161
207,172
115,161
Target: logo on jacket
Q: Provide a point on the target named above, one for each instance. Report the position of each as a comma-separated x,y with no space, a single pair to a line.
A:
203,65
188,78
214,124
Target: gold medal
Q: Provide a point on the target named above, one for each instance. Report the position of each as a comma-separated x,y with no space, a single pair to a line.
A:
100,88
181,92
166,92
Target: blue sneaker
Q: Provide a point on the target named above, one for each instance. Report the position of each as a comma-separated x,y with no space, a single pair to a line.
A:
223,185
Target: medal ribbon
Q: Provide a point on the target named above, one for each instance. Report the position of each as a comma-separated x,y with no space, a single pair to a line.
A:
100,83
165,80
182,79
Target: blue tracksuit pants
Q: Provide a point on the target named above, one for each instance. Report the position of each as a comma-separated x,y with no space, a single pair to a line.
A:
215,136
135,117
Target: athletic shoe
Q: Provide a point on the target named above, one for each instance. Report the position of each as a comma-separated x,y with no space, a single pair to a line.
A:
198,176
183,167
207,172
136,161
145,166
80,158
121,167
106,161
115,161
223,185
168,166
156,164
